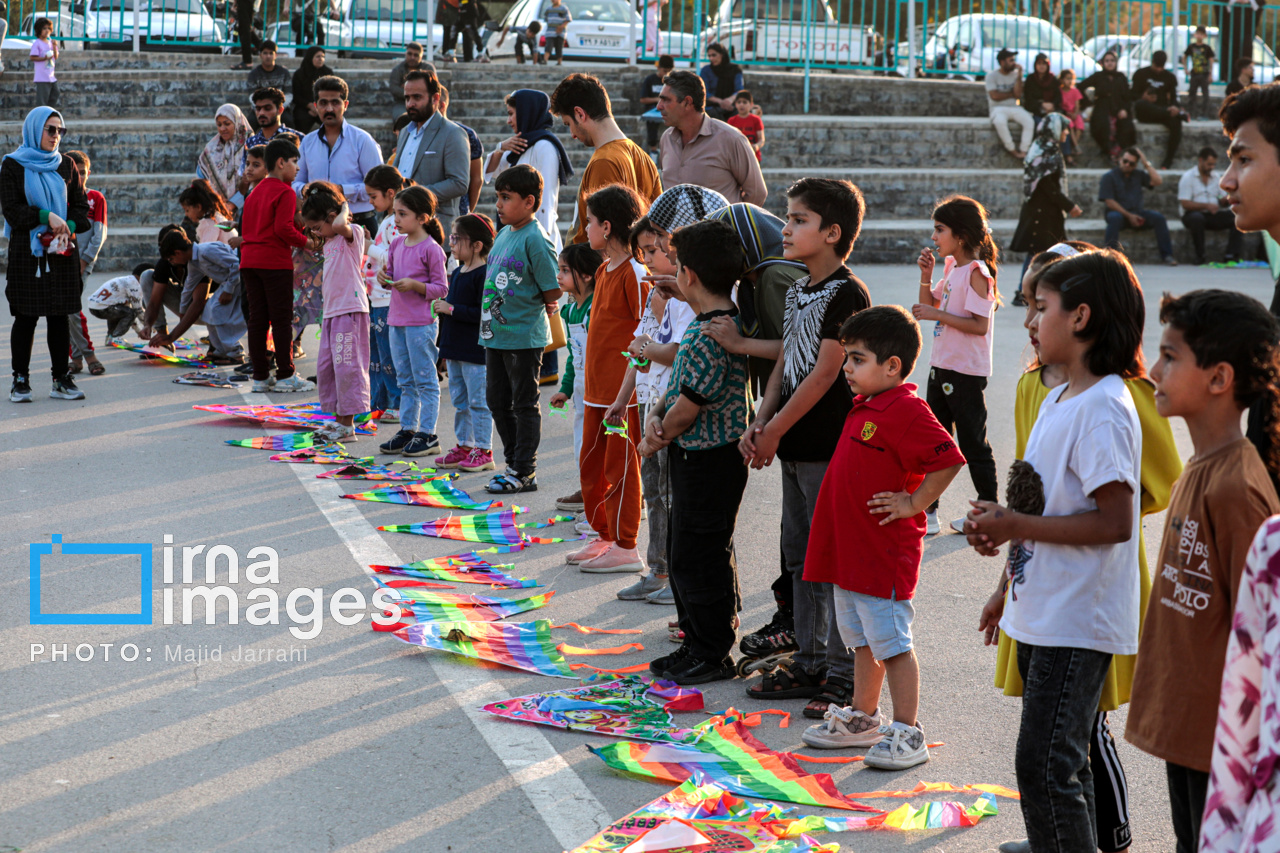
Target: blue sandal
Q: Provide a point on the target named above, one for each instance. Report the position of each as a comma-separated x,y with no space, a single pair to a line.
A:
510,484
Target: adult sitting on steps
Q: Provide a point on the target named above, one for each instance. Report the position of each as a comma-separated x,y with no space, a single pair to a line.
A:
1004,91
1121,191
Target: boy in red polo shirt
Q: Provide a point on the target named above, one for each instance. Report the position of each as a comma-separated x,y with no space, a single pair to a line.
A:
894,459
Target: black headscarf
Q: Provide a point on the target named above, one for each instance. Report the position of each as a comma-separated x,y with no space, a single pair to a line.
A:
534,124
307,74
726,73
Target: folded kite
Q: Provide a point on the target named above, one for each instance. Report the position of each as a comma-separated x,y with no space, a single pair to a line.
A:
211,378
457,607
408,471
284,441
161,354
462,568
302,415
439,494
497,527
521,645
326,454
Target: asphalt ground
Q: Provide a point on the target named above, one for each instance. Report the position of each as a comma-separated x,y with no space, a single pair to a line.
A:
370,744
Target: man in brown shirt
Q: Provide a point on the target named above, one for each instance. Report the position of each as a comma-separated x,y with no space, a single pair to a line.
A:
583,104
698,149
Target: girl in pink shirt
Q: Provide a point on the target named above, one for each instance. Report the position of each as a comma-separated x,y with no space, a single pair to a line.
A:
1071,97
342,368
961,305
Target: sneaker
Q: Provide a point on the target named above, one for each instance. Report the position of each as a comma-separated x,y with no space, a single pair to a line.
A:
584,528
590,551
452,458
1021,846
421,444
694,670
390,416
842,728
643,588
479,459
262,386
660,666
958,525
777,637
1170,261
335,431
571,503
552,379
20,391
931,527
65,389
397,442
662,596
293,384
901,747
244,369
612,560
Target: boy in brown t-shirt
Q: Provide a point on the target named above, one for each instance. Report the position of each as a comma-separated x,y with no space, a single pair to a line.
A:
1213,354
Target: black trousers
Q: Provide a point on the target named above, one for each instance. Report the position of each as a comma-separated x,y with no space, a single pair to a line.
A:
270,294
23,338
1110,789
244,23
1100,130
1197,222
706,491
1156,114
1187,792
962,411
511,390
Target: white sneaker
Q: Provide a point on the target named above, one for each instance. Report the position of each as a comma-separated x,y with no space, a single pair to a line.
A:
584,528
262,386
931,523
842,728
901,747
335,431
292,384
958,524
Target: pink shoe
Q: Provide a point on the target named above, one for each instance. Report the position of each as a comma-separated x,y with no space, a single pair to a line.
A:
453,458
614,560
477,460
590,551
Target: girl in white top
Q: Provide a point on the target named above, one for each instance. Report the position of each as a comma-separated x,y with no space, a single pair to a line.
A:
1073,571
534,143
961,305
382,183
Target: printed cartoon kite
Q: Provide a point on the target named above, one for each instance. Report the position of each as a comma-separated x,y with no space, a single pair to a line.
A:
633,707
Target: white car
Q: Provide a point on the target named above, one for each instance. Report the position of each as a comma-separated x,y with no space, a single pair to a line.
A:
391,24
600,29
966,46
1266,67
306,27
1119,45
775,31
109,23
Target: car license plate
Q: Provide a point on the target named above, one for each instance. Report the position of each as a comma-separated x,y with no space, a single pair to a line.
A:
599,41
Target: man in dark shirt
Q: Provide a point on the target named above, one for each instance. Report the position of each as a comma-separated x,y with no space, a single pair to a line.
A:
268,75
1243,78
1157,91
649,89
1121,191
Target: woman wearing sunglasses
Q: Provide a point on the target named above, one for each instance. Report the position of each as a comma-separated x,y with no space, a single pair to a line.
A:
43,199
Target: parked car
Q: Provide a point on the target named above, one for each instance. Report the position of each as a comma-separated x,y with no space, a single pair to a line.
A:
776,31
308,25
1119,45
601,29
109,23
1266,67
966,46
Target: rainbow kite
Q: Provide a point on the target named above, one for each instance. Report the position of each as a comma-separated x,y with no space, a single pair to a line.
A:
520,645
301,415
284,441
456,607
497,527
462,568
162,354
210,378
327,454
437,494
407,471
631,707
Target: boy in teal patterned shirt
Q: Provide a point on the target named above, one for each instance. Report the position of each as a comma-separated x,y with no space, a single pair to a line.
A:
700,419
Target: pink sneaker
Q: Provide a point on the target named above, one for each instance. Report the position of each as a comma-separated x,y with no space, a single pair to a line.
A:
453,458
615,559
590,551
477,460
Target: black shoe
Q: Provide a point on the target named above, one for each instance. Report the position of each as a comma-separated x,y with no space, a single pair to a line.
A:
776,637
1018,299
397,442
693,670
660,666
422,444
20,392
245,369
65,389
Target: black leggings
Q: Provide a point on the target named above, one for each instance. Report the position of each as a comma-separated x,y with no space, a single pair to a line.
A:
958,402
23,338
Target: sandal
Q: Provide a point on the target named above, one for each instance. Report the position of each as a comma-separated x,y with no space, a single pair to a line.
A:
76,366
509,484
786,682
837,691
96,368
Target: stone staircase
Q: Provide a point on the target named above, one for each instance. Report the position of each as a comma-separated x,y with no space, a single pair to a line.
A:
143,121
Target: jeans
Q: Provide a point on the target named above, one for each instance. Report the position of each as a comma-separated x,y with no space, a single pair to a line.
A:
413,349
1187,791
706,491
1197,222
512,392
384,391
963,412
119,317
1198,82
1154,220
270,294
23,338
817,634
655,479
1155,114
472,423
1061,690
1001,116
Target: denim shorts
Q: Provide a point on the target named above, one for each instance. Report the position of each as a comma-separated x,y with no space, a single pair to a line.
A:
884,624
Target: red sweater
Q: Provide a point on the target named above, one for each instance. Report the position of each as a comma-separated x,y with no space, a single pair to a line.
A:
267,227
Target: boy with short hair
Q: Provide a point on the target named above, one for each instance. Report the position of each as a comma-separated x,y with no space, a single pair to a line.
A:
267,74
557,16
44,54
121,302
706,407
1198,60
520,291
893,460
748,121
1208,374
528,37
216,307
81,342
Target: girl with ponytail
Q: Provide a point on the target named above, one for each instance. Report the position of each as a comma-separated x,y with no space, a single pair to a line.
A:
961,305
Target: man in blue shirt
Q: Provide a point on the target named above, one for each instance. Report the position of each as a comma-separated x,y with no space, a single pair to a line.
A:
1121,191
339,152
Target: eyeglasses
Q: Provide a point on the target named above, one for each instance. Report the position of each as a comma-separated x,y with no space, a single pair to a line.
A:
55,131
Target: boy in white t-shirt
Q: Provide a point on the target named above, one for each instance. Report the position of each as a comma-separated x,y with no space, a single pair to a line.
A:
120,302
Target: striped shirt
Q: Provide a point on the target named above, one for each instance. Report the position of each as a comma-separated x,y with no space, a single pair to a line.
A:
714,379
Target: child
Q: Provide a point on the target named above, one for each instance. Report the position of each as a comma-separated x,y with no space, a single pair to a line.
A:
415,276
1198,61
558,17
800,419
342,368
1074,585
459,311
528,38
520,290
609,466
204,206
81,344
1071,97
382,183
750,124
706,407
266,268
121,302
44,54
961,306
217,307
1217,357
896,459
577,277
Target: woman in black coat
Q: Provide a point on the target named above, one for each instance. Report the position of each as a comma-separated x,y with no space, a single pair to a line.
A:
1041,87
1111,124
311,70
1042,221
43,201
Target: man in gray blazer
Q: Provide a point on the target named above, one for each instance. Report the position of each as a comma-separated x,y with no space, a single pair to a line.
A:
432,150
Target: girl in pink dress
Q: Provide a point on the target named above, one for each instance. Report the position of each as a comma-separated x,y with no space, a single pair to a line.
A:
1071,106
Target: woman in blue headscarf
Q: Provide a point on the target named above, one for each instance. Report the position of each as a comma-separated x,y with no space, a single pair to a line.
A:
534,143
44,205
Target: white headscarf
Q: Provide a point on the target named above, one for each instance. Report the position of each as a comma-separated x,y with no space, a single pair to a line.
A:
220,161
